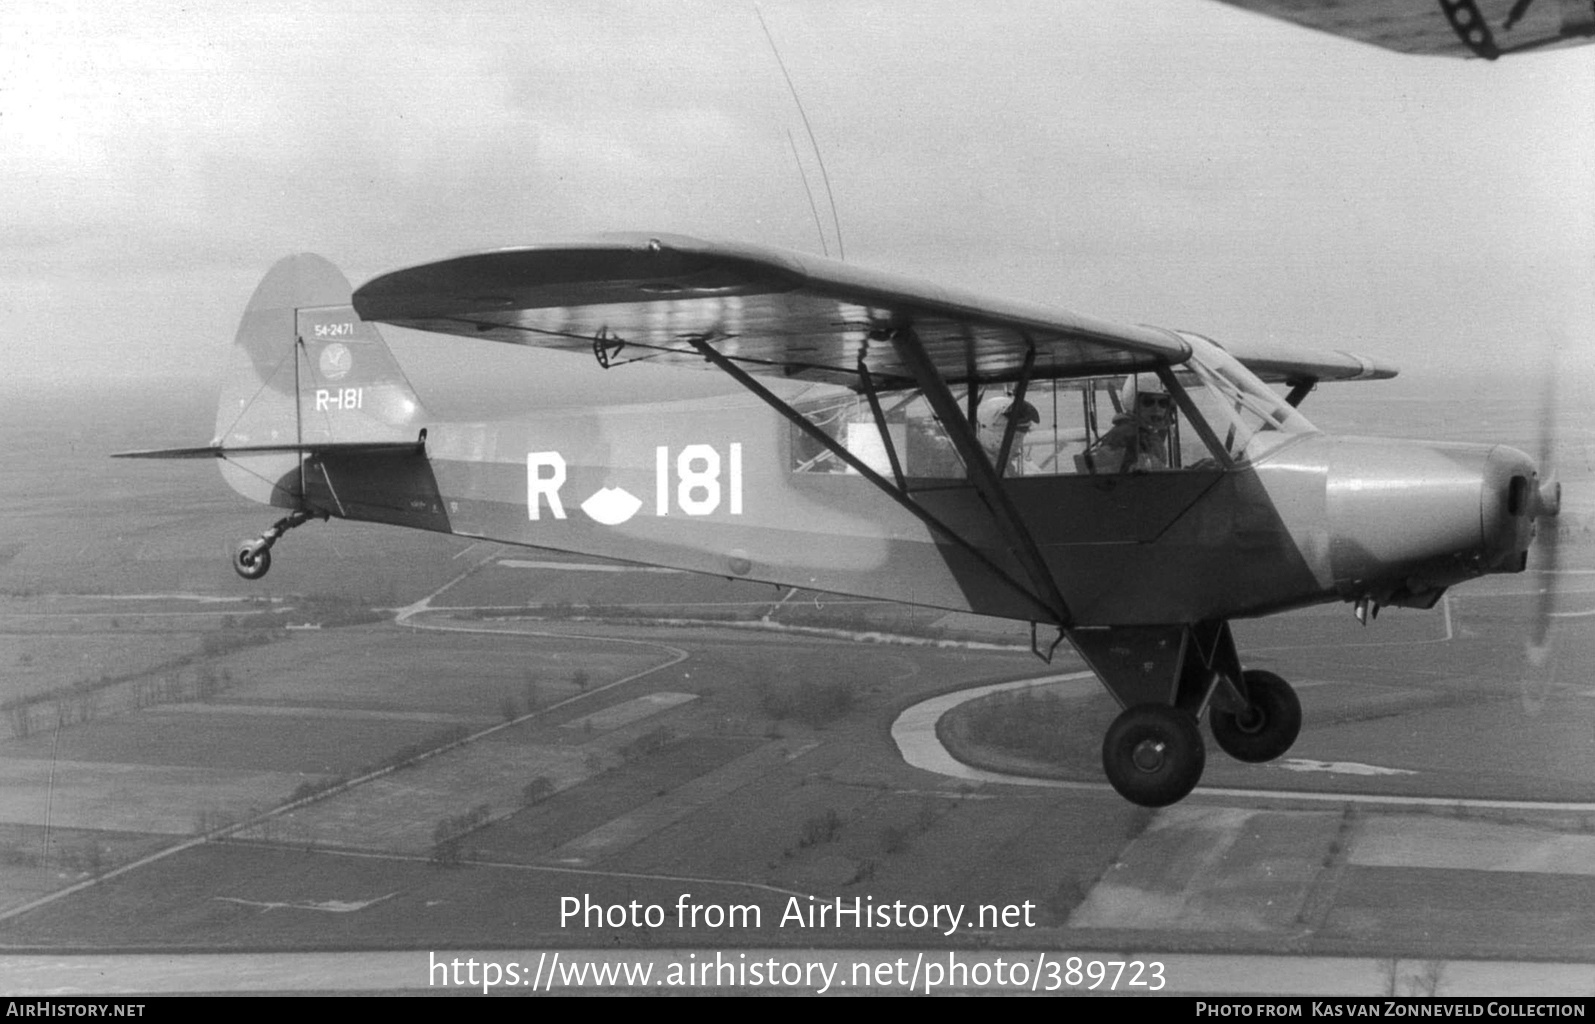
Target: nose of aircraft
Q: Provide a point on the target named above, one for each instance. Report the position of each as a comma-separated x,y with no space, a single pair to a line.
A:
1407,519
1510,503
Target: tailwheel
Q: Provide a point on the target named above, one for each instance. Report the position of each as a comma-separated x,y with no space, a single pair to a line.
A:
1269,725
252,560
253,557
1153,754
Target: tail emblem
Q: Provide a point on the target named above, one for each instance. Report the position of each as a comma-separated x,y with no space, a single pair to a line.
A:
336,361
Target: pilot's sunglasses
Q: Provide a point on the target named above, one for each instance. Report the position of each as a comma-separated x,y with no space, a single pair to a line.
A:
1159,401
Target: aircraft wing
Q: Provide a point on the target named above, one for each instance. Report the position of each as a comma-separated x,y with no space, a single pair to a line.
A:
769,311
1452,28
1286,364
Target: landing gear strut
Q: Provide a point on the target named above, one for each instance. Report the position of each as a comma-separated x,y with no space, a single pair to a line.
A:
1164,676
253,558
1266,728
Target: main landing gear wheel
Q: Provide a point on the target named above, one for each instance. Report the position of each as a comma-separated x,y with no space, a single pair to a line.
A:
1153,754
1267,728
251,561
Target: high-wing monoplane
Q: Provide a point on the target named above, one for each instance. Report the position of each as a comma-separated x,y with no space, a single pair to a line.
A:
1132,488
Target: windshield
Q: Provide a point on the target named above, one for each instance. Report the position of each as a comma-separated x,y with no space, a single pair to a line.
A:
1248,418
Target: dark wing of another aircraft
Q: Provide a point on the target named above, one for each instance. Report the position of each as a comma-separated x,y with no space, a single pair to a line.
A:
1449,28
769,311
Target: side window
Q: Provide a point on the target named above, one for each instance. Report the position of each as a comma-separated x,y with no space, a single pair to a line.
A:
1061,428
1137,427
922,446
1050,432
1079,426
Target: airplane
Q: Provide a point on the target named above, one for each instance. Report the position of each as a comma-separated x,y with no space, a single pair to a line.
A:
1488,29
1134,488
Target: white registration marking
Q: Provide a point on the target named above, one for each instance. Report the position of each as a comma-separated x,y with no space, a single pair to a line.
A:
694,480
698,488
612,506
539,486
661,481
343,399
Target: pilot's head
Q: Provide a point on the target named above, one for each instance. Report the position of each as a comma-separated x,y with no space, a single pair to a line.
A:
1150,401
995,412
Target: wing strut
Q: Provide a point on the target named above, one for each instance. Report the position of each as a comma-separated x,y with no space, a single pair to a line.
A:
1300,389
1049,611
1013,421
880,423
982,474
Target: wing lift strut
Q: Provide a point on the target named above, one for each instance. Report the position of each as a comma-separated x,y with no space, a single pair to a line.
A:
1034,583
1164,676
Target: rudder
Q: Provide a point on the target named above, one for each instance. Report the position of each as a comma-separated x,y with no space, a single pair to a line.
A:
306,370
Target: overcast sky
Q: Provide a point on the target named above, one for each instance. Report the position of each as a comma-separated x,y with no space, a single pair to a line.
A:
1181,163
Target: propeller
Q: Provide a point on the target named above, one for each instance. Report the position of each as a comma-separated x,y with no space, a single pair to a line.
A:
1547,503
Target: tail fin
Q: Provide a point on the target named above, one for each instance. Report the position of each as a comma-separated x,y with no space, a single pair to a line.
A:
306,374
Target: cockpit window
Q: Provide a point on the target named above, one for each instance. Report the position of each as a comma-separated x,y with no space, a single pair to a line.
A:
1082,426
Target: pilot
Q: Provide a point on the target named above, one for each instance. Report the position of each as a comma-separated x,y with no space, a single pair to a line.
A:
992,418
1139,438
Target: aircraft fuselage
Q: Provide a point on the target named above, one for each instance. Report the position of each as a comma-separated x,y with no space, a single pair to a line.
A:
707,486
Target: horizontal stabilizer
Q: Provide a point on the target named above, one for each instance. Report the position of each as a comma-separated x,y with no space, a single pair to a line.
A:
208,452
216,451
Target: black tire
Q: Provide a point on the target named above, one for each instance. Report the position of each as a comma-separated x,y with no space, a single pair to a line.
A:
1153,754
251,564
1265,730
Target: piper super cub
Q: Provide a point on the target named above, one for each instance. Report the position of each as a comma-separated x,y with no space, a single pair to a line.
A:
1131,487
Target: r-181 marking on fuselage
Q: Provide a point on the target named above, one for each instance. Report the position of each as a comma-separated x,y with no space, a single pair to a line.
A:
697,491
